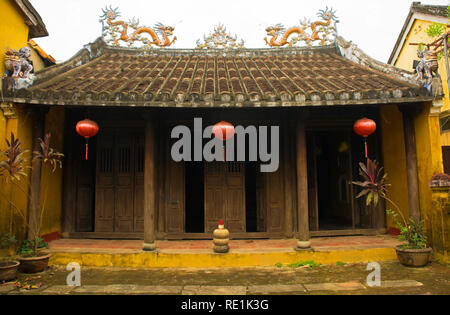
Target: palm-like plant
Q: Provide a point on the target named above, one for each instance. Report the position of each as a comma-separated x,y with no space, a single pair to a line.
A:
374,184
374,187
13,166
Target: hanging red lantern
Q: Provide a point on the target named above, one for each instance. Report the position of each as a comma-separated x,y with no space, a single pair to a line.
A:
223,131
365,127
87,129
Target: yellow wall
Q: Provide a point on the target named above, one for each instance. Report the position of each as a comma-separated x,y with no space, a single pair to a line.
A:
13,30
52,183
429,159
394,158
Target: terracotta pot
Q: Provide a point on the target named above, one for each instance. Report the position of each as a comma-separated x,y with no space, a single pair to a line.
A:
34,264
8,270
413,257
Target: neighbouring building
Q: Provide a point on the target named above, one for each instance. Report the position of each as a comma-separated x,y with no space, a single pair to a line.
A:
419,19
130,187
19,24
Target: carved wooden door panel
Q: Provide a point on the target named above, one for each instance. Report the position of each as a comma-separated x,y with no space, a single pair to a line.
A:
104,195
274,201
225,196
174,193
119,197
124,185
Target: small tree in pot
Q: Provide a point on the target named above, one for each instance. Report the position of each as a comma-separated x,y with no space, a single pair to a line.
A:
32,259
415,251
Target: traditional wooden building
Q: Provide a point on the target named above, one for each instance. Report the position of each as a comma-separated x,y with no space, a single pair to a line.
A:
130,187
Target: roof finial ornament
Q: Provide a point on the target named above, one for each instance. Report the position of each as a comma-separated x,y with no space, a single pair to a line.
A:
220,39
309,32
115,32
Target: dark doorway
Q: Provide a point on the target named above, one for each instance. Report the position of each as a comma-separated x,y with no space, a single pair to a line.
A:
334,174
195,201
446,159
251,204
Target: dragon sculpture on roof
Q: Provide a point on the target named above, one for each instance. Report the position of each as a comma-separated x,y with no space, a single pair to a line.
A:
308,32
116,31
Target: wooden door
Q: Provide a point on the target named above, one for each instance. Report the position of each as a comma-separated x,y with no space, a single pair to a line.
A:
119,181
446,159
225,196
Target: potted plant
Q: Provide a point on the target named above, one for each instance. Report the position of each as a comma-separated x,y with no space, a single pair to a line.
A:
8,266
31,255
415,251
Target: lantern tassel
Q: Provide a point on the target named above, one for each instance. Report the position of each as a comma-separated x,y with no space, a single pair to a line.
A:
87,149
365,144
223,153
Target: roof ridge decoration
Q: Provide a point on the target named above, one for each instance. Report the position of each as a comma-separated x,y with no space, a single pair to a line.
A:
309,32
115,32
220,39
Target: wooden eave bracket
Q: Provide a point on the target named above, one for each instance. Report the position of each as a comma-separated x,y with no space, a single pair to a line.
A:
8,110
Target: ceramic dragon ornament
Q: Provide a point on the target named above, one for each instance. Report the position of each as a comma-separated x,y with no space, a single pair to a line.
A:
308,32
116,31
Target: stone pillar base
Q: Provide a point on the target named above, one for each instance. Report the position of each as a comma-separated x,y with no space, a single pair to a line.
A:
149,247
303,245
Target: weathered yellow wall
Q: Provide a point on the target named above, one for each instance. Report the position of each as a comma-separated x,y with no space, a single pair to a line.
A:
429,158
393,147
52,182
13,30
440,218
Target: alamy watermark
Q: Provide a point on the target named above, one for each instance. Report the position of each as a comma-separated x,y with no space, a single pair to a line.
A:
235,147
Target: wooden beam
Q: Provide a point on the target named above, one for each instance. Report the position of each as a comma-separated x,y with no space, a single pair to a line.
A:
38,118
411,161
149,186
302,188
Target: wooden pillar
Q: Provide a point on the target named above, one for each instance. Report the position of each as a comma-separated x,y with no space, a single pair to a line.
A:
302,188
38,118
149,186
411,161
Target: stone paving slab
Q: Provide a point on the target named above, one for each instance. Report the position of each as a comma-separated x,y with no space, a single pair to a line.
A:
276,289
346,286
59,289
6,288
400,283
90,289
214,290
157,290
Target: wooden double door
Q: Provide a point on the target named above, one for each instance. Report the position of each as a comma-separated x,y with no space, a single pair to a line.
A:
225,196
119,198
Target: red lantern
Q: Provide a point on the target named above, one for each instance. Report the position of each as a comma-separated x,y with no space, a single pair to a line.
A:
87,129
223,131
365,127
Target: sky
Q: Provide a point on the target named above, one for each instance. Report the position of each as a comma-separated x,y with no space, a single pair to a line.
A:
373,26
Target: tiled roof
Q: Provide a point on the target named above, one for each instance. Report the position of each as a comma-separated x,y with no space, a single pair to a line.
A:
438,10
257,77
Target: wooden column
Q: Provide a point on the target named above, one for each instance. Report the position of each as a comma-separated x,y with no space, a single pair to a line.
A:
302,188
149,186
411,161
38,118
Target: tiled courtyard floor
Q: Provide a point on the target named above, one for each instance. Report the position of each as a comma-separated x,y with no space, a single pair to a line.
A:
326,279
202,246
